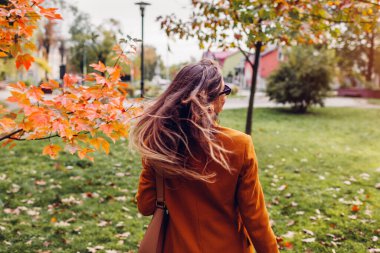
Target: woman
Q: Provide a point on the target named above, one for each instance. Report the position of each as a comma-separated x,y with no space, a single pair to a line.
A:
212,190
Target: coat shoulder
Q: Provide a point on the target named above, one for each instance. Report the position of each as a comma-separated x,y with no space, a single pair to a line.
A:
236,136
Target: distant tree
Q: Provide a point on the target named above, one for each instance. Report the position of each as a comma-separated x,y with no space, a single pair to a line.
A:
250,25
303,80
151,61
90,43
46,39
357,49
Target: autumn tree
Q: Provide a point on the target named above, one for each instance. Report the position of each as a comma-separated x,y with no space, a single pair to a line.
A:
151,61
85,118
357,49
90,43
46,39
252,25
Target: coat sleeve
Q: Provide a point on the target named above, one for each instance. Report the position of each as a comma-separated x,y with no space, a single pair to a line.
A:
252,205
146,192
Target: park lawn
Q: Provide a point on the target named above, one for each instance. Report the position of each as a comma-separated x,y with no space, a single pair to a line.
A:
318,172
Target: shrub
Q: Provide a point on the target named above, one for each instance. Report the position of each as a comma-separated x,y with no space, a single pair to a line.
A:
234,89
303,80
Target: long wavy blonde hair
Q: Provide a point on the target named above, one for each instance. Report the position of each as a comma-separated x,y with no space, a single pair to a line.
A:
180,123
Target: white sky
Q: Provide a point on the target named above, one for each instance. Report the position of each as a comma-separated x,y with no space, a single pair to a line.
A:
129,15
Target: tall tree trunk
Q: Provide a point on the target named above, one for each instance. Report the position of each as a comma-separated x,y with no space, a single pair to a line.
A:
371,55
248,125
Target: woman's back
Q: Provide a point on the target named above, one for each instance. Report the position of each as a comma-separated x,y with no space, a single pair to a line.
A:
214,217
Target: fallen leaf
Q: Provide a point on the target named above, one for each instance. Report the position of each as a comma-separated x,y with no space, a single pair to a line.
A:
282,187
355,208
95,249
309,240
40,182
309,232
289,234
123,235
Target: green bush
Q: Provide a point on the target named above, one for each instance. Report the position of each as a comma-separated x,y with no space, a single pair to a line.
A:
234,89
303,80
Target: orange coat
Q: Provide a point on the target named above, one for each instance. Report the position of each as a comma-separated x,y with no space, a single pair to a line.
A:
221,217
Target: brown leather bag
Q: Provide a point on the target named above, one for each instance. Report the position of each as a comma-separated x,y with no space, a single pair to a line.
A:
154,238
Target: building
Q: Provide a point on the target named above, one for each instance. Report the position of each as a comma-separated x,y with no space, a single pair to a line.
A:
238,71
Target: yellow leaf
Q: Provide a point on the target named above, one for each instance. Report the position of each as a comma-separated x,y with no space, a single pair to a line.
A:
95,142
105,145
83,153
30,46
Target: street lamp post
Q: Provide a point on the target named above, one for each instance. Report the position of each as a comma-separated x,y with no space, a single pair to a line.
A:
142,9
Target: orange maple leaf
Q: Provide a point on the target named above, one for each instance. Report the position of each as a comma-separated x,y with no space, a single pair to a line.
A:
49,13
99,67
19,98
21,86
51,150
35,93
69,80
7,124
83,153
52,84
25,60
355,208
100,142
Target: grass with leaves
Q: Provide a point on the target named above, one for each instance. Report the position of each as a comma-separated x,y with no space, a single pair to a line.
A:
318,172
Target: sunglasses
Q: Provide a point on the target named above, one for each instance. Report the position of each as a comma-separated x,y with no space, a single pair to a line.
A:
226,90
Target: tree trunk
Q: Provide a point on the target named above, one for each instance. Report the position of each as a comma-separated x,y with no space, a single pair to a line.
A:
248,125
371,55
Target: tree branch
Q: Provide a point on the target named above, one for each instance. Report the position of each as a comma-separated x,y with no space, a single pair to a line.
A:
8,136
38,139
46,137
246,54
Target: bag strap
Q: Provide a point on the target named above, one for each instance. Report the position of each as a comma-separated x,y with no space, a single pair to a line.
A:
160,189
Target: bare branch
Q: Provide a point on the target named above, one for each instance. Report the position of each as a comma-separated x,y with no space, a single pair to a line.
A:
8,136
46,137
246,55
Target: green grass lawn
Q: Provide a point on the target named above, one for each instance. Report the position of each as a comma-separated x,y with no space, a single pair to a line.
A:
318,172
